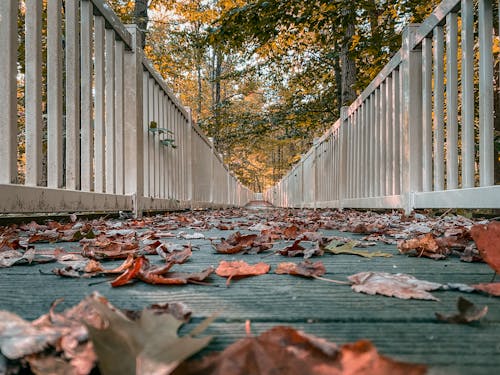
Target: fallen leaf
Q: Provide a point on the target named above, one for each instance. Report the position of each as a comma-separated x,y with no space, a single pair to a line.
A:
141,269
179,257
193,236
348,248
487,239
489,288
305,268
296,249
239,269
467,313
283,350
424,246
291,232
19,338
149,345
393,285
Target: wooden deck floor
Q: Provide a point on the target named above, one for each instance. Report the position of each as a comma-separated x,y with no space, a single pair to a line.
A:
403,329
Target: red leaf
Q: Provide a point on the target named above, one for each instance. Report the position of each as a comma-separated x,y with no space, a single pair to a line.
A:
489,288
487,238
130,273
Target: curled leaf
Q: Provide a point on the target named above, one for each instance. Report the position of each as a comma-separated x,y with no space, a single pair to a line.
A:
487,239
305,268
467,313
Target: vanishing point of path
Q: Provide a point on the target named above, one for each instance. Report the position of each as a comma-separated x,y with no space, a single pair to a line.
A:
402,329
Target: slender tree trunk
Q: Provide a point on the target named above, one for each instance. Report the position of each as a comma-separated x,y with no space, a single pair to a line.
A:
141,18
348,64
338,81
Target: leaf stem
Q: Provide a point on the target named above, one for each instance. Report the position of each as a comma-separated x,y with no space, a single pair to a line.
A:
332,280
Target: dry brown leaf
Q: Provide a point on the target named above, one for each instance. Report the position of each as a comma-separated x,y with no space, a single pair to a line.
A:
424,246
487,239
239,269
283,350
489,288
305,268
467,313
396,285
296,249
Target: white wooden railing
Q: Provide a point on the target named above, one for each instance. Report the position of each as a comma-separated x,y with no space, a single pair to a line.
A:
117,138
416,137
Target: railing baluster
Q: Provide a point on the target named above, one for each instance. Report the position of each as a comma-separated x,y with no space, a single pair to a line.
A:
156,105
372,132
381,138
99,103
161,124
146,119
72,52
33,92
397,123
151,137
86,107
8,92
119,120
427,114
376,142
438,57
109,99
451,101
388,137
54,95
486,113
467,79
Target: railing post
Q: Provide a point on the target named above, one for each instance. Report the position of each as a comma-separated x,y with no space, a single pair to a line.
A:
8,85
133,116
412,118
315,173
344,114
212,170
190,158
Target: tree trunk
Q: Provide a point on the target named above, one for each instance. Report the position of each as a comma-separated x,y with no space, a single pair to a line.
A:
348,64
141,18
338,81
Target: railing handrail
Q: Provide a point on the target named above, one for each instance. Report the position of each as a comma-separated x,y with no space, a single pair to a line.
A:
112,20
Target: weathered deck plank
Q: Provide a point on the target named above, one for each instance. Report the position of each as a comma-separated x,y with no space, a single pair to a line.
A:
406,330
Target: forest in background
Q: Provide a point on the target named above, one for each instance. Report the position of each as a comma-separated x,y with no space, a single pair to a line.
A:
265,77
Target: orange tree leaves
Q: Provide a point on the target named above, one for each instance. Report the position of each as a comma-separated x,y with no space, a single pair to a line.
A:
239,268
284,350
487,238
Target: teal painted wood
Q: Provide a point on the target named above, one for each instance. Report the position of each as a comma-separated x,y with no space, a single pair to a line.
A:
406,330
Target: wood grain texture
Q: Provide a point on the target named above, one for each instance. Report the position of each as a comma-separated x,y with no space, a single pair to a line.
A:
406,330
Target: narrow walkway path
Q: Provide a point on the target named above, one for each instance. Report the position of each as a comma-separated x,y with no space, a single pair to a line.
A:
403,329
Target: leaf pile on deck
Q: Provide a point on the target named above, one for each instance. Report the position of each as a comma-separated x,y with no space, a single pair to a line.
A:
487,238
120,342
138,243
72,342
